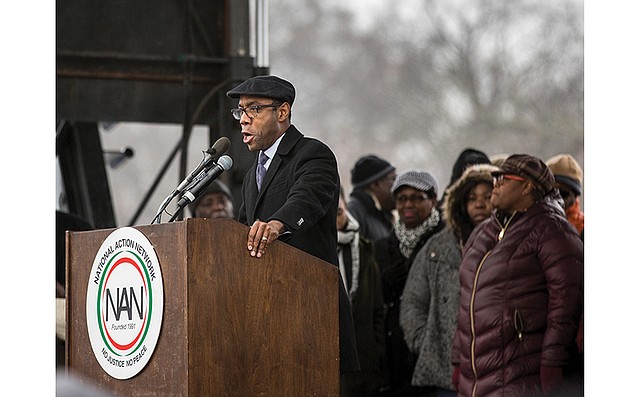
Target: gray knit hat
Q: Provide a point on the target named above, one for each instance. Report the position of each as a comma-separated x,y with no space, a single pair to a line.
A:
419,180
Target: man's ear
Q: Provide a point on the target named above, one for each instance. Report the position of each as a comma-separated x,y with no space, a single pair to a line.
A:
283,111
375,186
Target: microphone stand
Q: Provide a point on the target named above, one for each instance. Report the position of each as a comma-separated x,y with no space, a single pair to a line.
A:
163,206
178,212
185,185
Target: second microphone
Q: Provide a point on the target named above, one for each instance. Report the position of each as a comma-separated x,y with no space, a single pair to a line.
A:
224,163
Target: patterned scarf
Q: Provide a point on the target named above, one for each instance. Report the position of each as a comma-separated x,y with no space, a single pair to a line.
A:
350,236
409,238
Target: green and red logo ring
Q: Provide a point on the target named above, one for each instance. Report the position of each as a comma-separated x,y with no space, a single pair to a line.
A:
127,263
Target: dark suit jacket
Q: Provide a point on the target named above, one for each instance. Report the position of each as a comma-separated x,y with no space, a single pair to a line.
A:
301,190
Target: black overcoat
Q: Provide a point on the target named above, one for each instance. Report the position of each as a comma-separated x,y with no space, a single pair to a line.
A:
301,190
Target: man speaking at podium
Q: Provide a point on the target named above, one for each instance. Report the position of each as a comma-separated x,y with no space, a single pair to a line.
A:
291,191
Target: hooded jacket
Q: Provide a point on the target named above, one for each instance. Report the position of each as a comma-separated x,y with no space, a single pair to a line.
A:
521,299
430,300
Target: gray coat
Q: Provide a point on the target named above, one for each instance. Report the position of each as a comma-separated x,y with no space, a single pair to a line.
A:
430,299
428,309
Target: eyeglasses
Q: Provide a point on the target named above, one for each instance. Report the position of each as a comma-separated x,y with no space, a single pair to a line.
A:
251,111
414,198
498,180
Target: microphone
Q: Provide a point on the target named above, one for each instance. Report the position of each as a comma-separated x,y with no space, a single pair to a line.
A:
223,164
212,154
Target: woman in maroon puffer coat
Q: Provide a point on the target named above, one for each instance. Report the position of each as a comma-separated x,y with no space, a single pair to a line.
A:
521,293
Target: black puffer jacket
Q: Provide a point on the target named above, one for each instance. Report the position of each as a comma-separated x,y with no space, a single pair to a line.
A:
521,299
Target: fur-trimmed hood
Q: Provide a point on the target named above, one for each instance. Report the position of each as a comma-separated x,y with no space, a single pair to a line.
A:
454,208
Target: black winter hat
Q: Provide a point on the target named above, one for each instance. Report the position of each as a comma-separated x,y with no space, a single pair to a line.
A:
467,157
265,86
216,187
369,169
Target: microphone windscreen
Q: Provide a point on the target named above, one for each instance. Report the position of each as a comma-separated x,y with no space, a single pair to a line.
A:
225,162
221,145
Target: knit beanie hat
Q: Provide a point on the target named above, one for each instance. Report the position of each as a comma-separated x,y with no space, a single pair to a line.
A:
419,180
566,171
467,157
529,167
369,169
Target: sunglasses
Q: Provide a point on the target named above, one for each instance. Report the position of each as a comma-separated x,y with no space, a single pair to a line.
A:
498,180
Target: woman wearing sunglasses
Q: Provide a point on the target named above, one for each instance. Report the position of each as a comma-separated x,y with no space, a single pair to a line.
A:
521,293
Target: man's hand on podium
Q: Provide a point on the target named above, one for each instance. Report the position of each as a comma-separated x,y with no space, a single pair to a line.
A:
262,234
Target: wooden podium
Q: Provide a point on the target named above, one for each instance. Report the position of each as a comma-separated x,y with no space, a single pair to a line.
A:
233,325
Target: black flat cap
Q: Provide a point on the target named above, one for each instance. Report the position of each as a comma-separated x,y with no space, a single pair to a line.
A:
265,86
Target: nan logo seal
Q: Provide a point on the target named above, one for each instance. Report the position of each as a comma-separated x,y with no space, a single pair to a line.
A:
124,303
